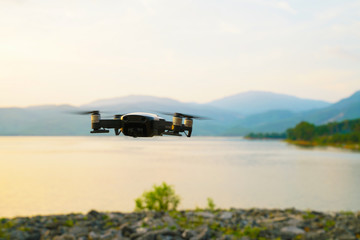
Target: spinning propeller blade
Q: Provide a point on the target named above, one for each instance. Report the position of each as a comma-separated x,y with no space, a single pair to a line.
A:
185,115
85,112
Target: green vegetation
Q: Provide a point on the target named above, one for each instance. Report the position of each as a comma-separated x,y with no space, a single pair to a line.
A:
266,136
211,204
308,215
69,223
329,224
5,225
343,134
161,198
235,231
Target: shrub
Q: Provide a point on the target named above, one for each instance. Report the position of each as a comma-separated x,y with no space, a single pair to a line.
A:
161,198
211,204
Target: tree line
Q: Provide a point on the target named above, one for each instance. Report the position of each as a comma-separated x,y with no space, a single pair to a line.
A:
345,132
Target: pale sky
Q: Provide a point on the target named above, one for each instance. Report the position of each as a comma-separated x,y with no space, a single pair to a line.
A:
75,51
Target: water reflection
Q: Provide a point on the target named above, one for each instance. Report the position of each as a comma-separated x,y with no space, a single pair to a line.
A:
43,175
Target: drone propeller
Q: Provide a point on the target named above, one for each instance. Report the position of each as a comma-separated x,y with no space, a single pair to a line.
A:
185,115
85,112
108,115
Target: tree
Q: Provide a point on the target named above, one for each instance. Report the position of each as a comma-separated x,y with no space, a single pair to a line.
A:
302,131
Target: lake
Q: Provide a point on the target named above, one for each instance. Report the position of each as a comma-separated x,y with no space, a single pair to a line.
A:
47,175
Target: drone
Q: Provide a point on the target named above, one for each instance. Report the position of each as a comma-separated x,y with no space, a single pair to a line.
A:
140,124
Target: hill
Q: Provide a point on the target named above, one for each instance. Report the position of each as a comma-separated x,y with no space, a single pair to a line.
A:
55,120
253,102
279,121
49,120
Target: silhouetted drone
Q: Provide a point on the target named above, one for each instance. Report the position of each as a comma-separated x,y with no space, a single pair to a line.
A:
141,124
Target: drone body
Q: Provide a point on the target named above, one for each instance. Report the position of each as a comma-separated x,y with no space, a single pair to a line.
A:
143,124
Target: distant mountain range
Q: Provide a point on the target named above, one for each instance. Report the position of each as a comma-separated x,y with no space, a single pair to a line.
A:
234,115
253,102
280,120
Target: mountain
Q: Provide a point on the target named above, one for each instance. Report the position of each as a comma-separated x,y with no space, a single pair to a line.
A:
279,121
56,120
141,103
49,120
52,120
257,102
270,121
348,108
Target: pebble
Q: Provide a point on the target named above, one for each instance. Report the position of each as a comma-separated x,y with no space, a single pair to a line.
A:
246,224
226,215
204,214
293,230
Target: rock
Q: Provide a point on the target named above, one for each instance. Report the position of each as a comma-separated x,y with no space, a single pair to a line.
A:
170,222
94,214
141,230
53,224
226,237
126,231
265,223
204,214
93,236
204,233
65,236
278,219
317,235
292,230
188,234
109,235
294,222
115,216
78,231
19,235
226,215
347,236
158,234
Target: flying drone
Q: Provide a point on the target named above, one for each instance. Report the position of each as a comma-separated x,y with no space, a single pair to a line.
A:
141,124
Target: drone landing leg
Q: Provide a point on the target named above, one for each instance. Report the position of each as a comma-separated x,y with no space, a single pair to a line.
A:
117,131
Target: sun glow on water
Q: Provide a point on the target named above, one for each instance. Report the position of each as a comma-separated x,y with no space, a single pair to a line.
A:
44,175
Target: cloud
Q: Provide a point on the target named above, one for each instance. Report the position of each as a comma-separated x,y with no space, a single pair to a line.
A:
228,28
282,5
340,52
330,14
345,10
285,6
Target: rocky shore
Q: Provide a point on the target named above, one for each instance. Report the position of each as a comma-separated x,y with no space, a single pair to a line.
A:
192,225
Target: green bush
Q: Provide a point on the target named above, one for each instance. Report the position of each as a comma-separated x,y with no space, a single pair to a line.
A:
211,204
161,198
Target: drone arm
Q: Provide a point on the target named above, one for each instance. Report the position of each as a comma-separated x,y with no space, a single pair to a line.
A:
167,128
110,123
102,125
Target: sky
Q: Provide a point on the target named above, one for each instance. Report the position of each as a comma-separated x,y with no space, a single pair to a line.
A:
77,51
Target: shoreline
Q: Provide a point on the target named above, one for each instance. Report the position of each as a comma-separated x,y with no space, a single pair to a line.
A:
303,143
188,224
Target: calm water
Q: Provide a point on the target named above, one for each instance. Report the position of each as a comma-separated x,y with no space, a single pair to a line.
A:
45,175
